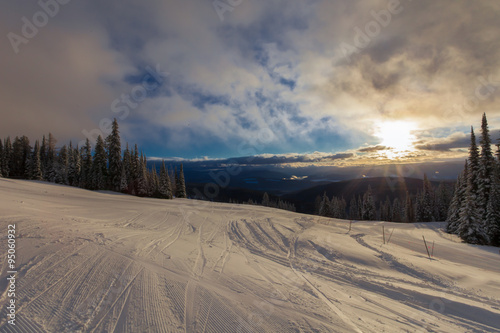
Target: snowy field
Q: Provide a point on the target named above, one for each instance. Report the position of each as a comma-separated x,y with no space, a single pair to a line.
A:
104,262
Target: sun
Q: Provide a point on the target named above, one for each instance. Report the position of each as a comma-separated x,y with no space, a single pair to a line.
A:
397,136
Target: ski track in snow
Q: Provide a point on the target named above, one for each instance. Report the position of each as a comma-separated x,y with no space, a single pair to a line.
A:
95,262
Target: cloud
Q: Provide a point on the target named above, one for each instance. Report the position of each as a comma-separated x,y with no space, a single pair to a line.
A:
269,67
455,140
60,81
315,157
422,64
296,178
266,159
372,149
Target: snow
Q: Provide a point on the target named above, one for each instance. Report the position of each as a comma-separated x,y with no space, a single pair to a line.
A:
102,262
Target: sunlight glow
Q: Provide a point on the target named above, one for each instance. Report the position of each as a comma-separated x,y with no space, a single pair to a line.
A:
397,137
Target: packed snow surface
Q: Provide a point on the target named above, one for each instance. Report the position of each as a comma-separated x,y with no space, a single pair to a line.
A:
106,262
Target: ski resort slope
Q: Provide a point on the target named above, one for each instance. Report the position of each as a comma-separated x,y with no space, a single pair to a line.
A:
106,262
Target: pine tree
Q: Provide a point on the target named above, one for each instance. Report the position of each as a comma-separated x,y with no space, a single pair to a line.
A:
396,211
126,180
334,207
149,183
486,169
181,184
36,171
457,201
26,157
469,223
265,200
86,166
165,185
1,158
114,157
28,166
498,151
338,208
360,207
21,153
368,205
419,213
7,155
492,220
442,203
409,210
325,207
62,166
353,209
317,204
342,205
136,171
386,210
77,171
50,167
142,180
99,168
123,180
474,166
73,165
43,156
155,183
426,208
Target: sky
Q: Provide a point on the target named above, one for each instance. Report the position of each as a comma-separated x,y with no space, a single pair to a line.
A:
326,82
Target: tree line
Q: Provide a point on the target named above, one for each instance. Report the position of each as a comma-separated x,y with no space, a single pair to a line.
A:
102,167
267,201
277,203
429,204
474,213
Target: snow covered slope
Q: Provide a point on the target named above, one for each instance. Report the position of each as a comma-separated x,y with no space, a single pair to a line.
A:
104,262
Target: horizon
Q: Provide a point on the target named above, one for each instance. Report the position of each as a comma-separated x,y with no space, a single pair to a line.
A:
327,84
